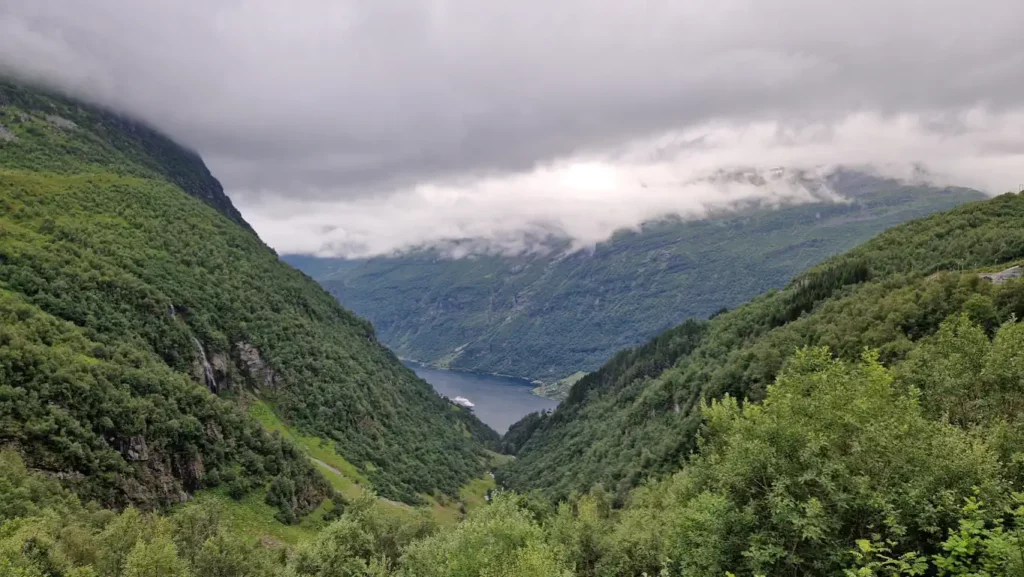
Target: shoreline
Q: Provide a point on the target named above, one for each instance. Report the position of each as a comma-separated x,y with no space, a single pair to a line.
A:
534,384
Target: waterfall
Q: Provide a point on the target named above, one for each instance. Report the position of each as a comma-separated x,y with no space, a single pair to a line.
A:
208,379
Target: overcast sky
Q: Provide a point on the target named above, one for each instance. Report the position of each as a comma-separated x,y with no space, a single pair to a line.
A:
359,128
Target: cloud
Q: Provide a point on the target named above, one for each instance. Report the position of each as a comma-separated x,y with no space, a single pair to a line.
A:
442,118
685,173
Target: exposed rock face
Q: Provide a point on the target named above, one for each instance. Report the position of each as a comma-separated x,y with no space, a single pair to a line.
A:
213,371
191,472
201,368
255,368
153,485
135,449
221,371
1011,273
6,135
213,432
61,122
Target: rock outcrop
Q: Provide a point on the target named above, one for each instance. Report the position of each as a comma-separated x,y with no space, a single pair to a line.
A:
1000,277
214,370
135,449
259,373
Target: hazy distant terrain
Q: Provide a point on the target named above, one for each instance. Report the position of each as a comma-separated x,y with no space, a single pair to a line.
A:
546,316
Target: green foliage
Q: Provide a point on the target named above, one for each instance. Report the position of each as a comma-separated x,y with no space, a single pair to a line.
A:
546,316
521,431
53,534
834,453
624,423
982,545
502,540
156,558
226,555
840,470
123,269
890,444
63,136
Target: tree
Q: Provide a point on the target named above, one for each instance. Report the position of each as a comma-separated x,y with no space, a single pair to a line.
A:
155,558
500,540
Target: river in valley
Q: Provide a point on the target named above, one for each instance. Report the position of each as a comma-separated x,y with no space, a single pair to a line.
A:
498,401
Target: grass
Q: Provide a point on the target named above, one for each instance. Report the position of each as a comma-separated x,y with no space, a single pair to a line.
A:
559,389
347,479
252,516
343,476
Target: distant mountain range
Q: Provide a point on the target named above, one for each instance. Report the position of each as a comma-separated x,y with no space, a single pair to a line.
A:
548,316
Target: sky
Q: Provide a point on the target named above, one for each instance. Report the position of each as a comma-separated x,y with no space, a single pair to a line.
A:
363,128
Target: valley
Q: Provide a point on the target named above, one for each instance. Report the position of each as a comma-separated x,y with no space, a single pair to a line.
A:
817,389
550,314
497,401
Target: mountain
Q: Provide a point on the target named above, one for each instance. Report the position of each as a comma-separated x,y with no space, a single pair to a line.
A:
639,416
866,419
769,439
547,316
140,316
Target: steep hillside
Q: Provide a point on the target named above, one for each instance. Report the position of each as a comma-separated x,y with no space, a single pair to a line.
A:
638,416
137,308
841,467
548,316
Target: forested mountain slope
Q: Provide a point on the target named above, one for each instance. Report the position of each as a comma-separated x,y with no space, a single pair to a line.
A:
546,316
137,307
901,459
638,416
124,300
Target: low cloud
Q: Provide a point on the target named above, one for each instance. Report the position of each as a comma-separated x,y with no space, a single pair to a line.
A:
586,198
363,127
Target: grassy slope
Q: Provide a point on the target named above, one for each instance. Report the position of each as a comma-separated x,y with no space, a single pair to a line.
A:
98,241
545,317
352,484
638,416
559,389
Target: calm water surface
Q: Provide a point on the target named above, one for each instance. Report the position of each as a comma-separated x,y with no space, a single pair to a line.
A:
500,401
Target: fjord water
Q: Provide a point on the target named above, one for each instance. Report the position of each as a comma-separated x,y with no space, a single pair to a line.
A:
498,401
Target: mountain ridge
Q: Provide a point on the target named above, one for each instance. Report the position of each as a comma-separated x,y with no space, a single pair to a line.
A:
638,416
182,166
544,316
140,315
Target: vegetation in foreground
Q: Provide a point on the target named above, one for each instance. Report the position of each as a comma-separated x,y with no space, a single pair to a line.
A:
845,468
866,420
137,309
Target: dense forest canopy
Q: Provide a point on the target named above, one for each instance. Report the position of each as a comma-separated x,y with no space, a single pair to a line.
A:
864,420
845,468
139,311
638,416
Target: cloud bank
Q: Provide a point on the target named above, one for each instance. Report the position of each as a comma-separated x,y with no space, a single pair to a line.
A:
360,128
687,173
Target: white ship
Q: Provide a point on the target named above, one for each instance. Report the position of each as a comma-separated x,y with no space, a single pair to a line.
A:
462,401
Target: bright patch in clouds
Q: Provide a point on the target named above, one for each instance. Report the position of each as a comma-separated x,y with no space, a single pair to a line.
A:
682,173
588,177
362,127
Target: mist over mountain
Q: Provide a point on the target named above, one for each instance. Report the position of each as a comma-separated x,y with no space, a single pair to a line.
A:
759,253
554,308
390,127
